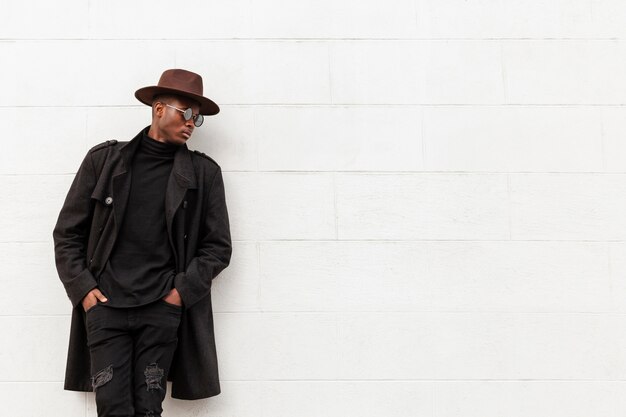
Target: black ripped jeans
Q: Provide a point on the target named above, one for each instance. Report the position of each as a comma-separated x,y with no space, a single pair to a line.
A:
131,352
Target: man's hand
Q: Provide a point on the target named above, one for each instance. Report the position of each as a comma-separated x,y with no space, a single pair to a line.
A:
91,299
173,297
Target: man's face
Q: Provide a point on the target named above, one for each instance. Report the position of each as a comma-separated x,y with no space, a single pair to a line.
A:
169,125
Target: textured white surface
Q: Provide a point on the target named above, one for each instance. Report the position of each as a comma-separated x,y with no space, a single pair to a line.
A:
426,198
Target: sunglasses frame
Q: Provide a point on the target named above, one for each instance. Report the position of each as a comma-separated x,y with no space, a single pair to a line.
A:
188,114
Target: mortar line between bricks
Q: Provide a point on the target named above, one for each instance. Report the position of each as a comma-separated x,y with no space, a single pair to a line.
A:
327,39
433,380
336,105
390,380
371,312
517,380
365,173
332,240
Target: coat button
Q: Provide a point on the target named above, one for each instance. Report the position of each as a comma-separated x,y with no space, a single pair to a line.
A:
185,204
185,237
108,201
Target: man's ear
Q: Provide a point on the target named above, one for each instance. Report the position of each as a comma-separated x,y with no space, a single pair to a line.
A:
157,109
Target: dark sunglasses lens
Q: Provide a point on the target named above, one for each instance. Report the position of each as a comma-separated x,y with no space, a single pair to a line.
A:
187,114
199,120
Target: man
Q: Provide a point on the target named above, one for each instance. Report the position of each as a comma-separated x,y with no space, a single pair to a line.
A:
142,233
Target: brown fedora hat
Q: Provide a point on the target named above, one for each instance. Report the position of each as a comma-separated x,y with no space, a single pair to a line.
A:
180,82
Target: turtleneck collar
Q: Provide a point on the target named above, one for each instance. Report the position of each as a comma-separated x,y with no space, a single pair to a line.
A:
154,147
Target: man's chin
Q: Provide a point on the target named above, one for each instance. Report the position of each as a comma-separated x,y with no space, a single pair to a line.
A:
180,140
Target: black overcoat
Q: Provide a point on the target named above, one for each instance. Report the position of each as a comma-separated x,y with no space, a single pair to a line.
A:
199,232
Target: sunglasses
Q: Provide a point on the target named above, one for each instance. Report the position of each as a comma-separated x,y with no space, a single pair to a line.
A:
188,114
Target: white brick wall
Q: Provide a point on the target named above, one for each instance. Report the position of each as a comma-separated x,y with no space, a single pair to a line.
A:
427,197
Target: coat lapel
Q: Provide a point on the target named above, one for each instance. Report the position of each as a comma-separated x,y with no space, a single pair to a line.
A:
182,178
122,179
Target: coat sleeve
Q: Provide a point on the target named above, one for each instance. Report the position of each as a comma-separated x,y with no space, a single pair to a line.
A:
71,234
214,249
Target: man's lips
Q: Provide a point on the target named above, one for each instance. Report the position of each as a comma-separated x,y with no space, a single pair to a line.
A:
187,133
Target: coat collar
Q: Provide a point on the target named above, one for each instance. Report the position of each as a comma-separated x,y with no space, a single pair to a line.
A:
182,170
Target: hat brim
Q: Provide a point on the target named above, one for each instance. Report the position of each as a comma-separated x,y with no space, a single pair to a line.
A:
147,94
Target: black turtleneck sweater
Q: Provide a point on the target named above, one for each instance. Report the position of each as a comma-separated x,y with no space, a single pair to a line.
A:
141,267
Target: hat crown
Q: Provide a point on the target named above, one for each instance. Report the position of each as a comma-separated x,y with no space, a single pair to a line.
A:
181,82
180,79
